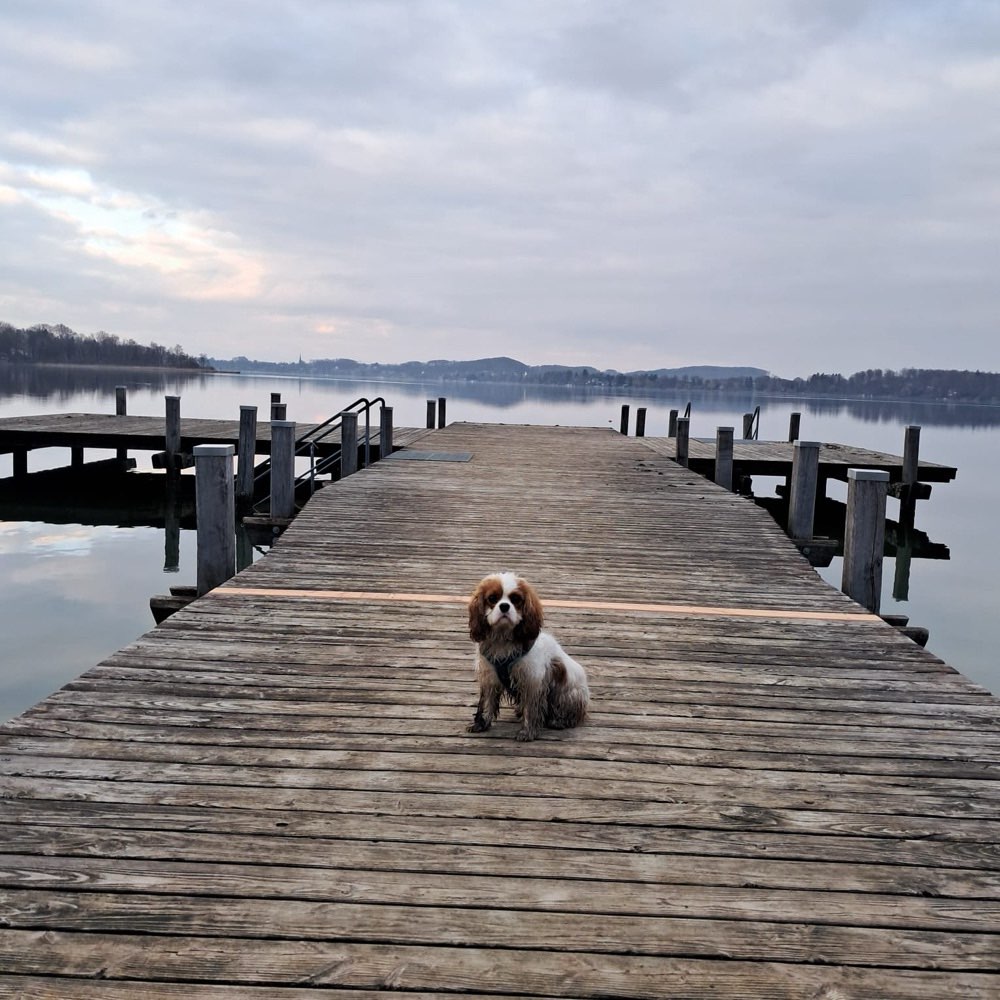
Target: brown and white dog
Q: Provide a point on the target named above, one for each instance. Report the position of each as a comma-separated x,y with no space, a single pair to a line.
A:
516,659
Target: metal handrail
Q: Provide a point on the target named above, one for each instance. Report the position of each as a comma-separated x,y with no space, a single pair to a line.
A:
306,445
754,429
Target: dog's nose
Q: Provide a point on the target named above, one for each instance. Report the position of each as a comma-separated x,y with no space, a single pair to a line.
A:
504,607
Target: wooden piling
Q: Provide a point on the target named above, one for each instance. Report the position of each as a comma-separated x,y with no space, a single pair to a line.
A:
683,432
442,404
623,423
794,422
172,434
431,414
215,504
349,443
245,456
724,457
282,469
279,411
747,426
276,401
121,409
640,422
20,458
672,424
864,536
385,432
802,489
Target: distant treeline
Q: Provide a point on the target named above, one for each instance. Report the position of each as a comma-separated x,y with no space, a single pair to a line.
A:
925,384
60,345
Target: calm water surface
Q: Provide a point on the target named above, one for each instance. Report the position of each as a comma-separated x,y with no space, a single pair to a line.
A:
71,594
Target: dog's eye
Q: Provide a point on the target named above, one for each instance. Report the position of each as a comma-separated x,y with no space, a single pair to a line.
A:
491,599
517,600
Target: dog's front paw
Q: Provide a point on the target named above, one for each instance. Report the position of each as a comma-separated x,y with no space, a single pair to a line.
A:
477,726
525,735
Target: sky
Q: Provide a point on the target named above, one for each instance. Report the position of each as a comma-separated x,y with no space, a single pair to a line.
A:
798,185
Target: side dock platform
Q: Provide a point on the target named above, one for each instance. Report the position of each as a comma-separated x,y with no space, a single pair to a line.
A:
273,795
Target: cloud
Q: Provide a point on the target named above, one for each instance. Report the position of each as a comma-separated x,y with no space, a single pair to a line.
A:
797,186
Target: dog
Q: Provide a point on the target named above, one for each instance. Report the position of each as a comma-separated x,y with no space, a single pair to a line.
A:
516,659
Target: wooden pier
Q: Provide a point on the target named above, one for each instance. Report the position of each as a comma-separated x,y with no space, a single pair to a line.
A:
273,794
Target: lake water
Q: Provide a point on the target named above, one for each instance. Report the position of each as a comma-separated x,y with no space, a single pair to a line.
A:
71,594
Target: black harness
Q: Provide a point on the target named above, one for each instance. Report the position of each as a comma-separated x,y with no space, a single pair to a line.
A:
504,664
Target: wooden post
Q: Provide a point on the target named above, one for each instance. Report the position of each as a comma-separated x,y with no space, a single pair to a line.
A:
683,430
76,456
245,456
172,434
640,422
802,491
20,457
431,414
385,432
216,513
911,454
442,403
672,424
623,427
282,468
794,421
279,411
864,536
349,443
276,401
747,426
724,457
121,408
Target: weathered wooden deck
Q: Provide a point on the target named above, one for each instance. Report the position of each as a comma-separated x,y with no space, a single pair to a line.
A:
774,458
272,794
138,433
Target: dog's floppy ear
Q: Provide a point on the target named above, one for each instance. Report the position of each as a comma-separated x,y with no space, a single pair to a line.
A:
531,612
478,627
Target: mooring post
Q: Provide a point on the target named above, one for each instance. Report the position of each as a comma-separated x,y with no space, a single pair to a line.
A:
20,457
794,422
121,408
76,456
683,430
802,490
276,401
215,505
864,536
724,457
623,425
442,404
282,468
279,411
172,433
672,424
385,432
349,443
911,471
245,456
747,426
640,422
431,414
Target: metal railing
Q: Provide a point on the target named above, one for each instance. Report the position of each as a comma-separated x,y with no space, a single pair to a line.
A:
306,445
751,425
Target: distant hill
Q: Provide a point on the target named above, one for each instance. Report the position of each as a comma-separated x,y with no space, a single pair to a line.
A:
500,369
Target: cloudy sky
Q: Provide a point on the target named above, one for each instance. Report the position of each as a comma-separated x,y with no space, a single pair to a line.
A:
802,186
